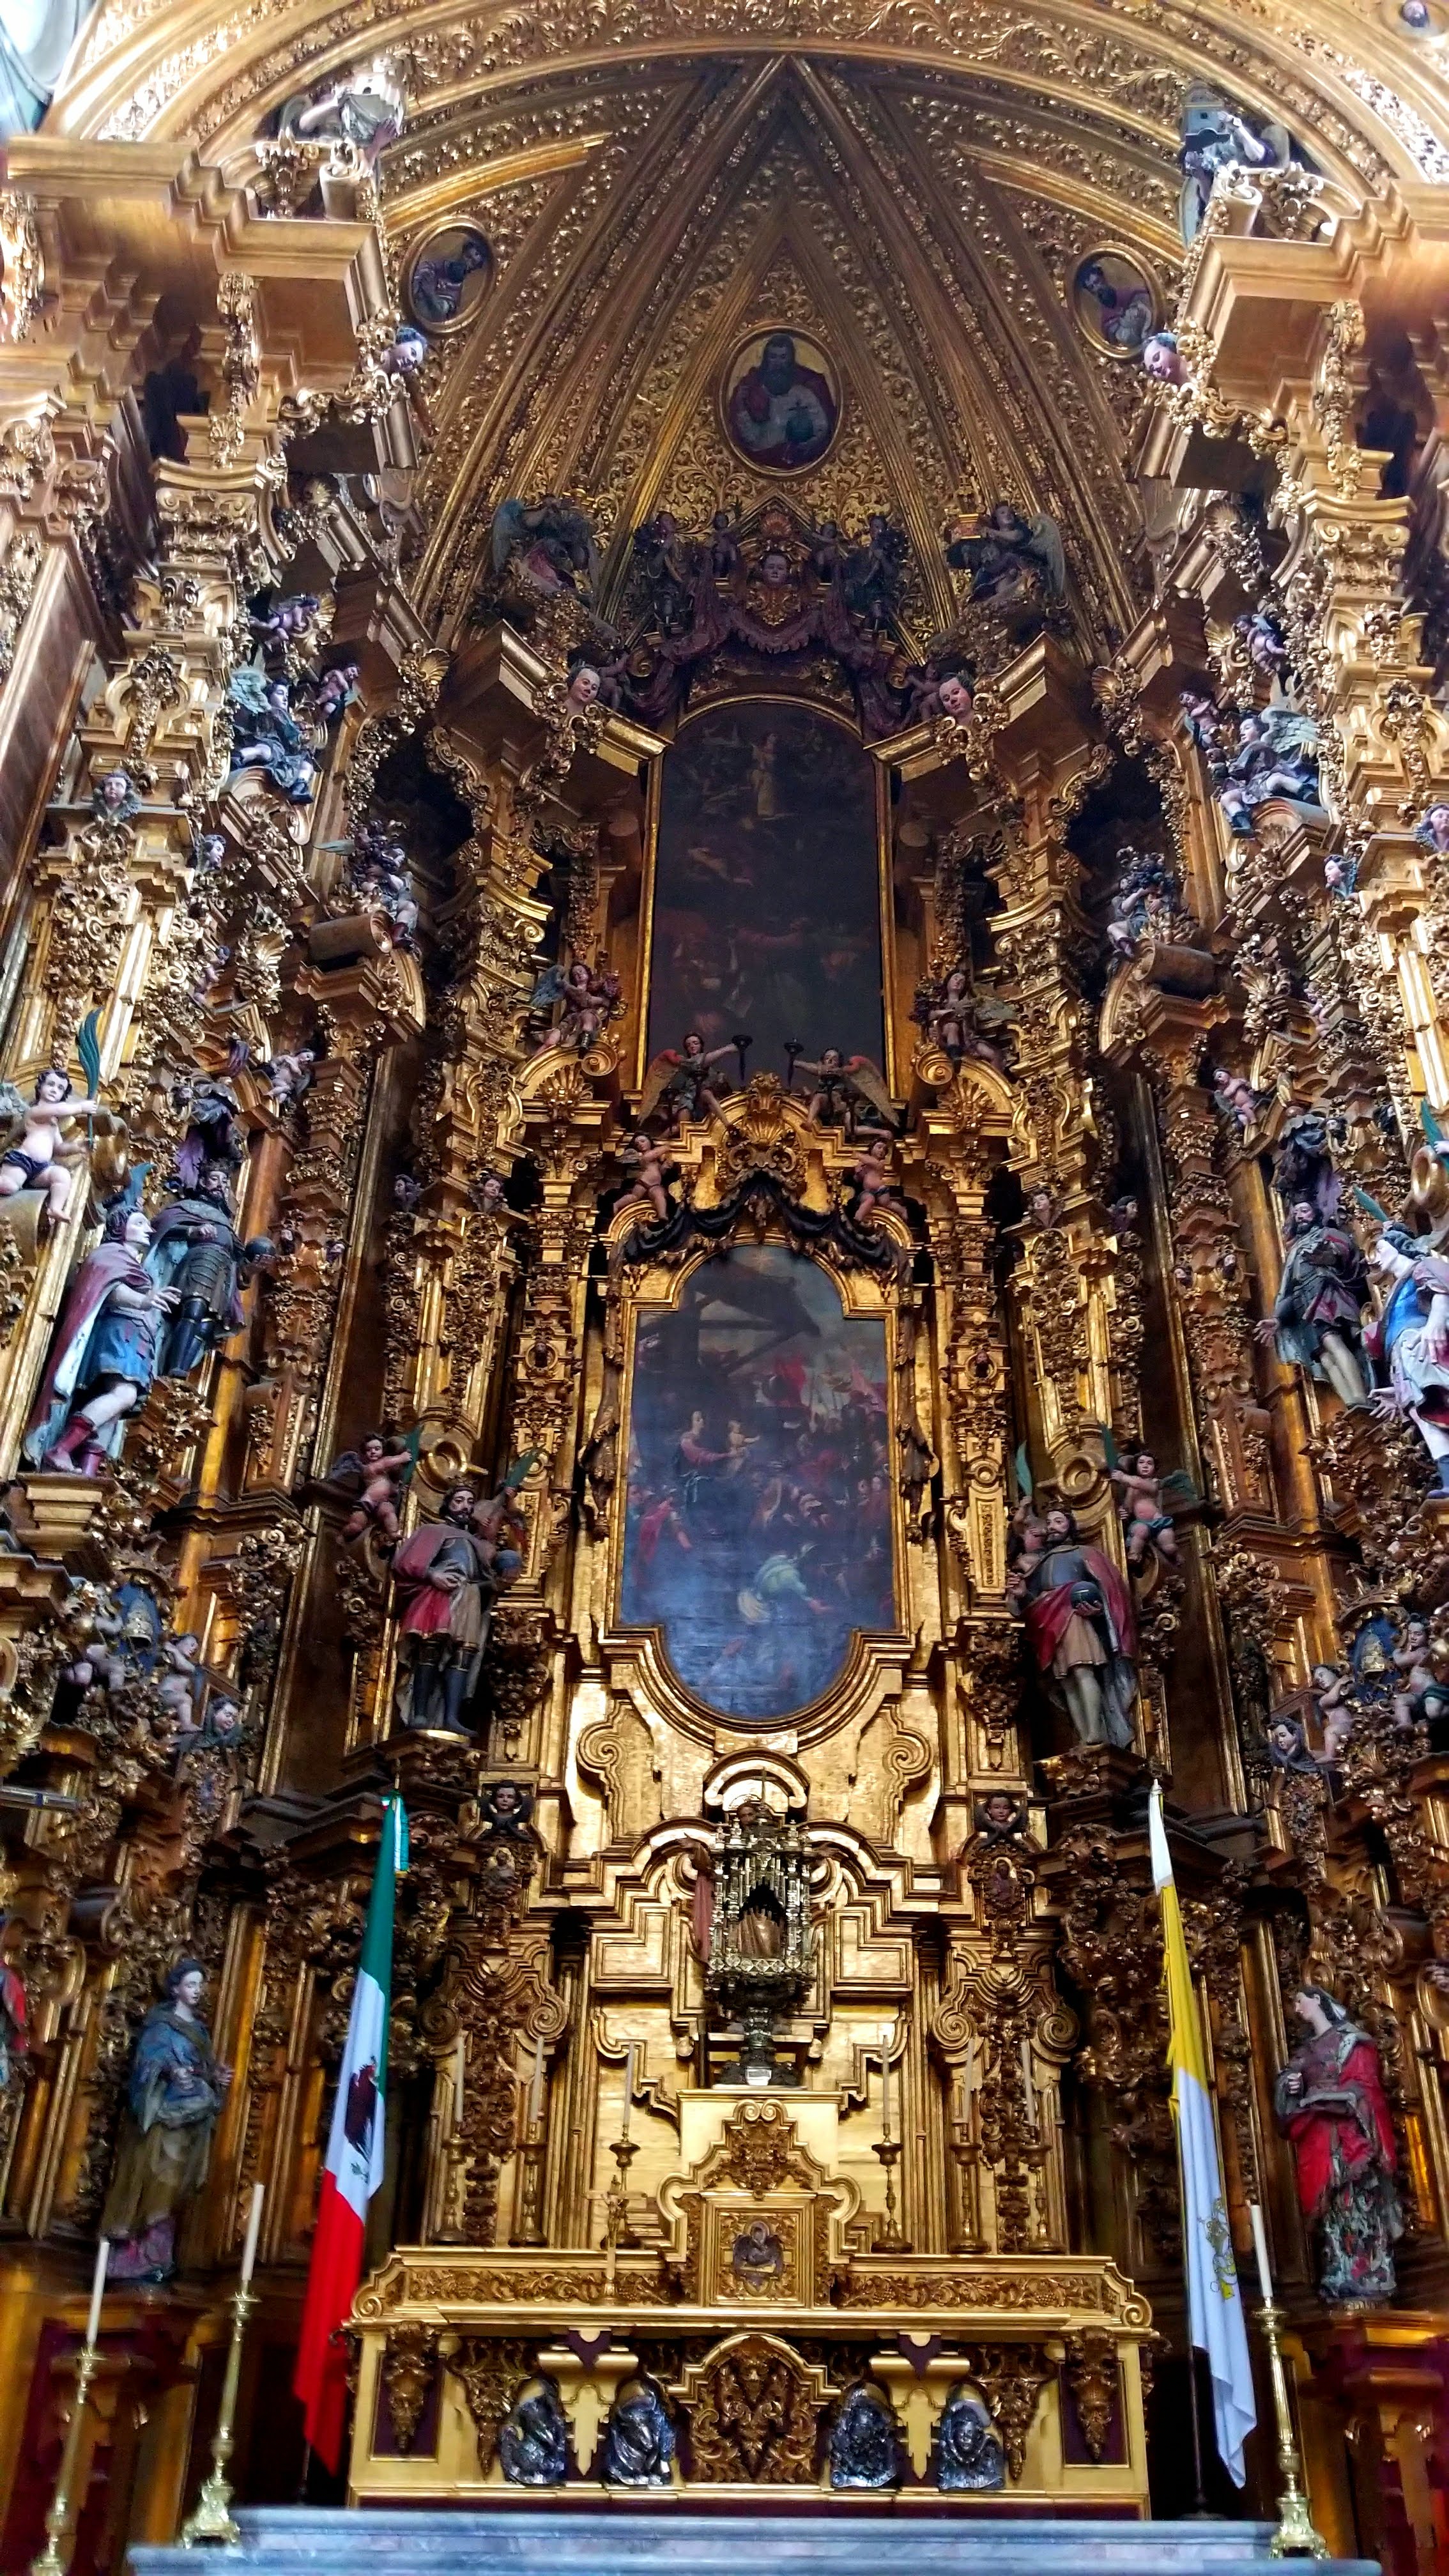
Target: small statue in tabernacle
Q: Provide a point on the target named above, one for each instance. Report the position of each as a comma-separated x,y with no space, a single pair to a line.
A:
865,2440
1409,1341
684,1082
1317,1318
1162,359
1330,1685
174,2094
969,2456
1422,1697
639,2439
1007,555
448,1574
267,736
1433,831
951,1012
38,1158
551,542
1147,1527
875,1183
364,108
651,1169
533,2439
14,2006
849,1093
106,1349
1082,1630
1330,2102
589,997
377,1474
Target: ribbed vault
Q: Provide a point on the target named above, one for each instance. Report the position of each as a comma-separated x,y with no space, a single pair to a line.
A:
914,184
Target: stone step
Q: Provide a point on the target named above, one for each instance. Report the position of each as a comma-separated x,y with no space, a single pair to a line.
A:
658,2538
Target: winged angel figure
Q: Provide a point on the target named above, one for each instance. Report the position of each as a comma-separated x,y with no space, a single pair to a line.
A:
1003,552
551,541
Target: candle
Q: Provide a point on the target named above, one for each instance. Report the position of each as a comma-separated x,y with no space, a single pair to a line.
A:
254,2229
98,2289
535,2092
968,2080
885,2088
1260,2247
1029,2082
460,2060
628,2090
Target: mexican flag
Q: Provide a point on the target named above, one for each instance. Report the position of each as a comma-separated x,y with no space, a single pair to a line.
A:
354,2164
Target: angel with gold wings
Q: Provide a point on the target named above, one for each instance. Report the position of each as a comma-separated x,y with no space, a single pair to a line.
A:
683,1078
849,1093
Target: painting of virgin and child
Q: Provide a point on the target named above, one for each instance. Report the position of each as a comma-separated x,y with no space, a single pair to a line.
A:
758,1520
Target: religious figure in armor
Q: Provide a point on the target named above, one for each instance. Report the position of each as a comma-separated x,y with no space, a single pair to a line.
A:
448,1575
174,2095
1330,2101
1317,1318
1082,1629
198,1255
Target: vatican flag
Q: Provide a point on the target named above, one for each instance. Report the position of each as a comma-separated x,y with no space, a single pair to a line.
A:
1214,2301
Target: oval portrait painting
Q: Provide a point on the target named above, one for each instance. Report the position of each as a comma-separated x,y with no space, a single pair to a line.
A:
450,275
1115,302
780,400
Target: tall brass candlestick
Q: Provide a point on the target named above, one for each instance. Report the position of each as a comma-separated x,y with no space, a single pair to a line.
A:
1295,2536
212,2526
50,2561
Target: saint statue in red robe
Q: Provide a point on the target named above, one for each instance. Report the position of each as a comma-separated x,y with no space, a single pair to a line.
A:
1330,2101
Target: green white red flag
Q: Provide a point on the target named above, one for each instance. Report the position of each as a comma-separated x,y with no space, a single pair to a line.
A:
354,2167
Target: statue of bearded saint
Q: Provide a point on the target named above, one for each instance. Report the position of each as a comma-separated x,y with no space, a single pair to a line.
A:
1082,1627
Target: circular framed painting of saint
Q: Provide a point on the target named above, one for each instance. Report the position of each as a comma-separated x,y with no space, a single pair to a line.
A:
1116,302
780,400
448,277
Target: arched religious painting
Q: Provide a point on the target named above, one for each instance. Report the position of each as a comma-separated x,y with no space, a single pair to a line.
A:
767,906
757,1533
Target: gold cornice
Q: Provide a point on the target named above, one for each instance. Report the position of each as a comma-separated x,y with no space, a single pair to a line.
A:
436,198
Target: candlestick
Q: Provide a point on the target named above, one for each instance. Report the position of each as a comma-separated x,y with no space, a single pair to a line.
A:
628,2090
50,2561
254,2229
460,2064
1295,2536
1260,2248
98,2289
1028,2080
535,2091
212,2524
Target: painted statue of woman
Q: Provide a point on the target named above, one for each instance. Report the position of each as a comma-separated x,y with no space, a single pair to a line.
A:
1330,2101
174,2093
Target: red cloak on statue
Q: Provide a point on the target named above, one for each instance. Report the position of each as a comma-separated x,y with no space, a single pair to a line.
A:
1048,1614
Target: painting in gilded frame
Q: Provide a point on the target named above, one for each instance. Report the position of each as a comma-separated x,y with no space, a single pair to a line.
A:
766,915
758,1531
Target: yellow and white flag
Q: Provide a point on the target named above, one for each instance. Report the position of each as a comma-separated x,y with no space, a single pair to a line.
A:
1214,2301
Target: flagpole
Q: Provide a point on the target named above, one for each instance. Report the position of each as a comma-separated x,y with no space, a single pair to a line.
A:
1199,2510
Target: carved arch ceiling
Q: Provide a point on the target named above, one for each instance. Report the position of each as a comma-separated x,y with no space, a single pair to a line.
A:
911,181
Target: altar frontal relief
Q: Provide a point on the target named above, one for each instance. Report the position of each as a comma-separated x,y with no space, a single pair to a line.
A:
767,887
758,1528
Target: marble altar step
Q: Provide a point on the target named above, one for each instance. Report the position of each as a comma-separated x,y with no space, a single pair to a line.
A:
661,2539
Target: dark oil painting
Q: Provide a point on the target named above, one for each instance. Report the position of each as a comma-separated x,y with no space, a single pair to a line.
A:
758,1522
766,897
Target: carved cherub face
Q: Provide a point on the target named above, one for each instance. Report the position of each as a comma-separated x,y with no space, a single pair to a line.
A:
955,697
52,1085
373,1448
115,789
584,687
999,1811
